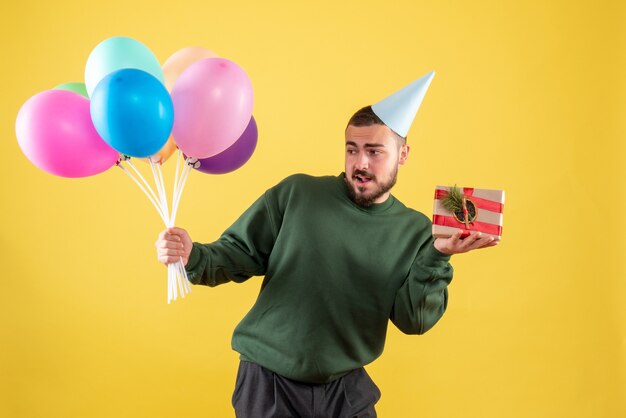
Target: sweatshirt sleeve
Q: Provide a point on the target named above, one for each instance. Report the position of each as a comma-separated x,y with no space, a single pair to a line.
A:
241,252
422,299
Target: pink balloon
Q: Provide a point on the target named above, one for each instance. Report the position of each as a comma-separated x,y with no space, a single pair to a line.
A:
55,131
212,107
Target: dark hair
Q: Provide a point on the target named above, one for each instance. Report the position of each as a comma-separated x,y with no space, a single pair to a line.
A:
366,117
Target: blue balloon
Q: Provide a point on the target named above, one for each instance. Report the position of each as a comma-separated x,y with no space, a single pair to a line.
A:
133,112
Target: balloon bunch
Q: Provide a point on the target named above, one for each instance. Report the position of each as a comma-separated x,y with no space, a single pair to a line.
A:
132,107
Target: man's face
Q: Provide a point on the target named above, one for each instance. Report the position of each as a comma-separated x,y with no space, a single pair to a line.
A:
373,154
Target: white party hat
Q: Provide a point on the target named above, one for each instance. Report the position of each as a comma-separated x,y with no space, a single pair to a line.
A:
398,110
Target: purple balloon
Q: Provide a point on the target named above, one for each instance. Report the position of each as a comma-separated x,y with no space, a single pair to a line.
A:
233,157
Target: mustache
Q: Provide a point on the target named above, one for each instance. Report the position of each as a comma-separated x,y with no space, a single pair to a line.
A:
363,173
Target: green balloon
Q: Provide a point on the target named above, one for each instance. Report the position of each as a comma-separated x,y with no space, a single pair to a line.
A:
75,87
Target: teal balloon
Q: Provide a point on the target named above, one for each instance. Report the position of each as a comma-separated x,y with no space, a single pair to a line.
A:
78,88
133,112
118,53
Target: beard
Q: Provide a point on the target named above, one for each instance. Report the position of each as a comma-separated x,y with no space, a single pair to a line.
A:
365,199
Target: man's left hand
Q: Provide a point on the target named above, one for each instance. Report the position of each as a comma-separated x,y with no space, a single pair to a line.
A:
455,245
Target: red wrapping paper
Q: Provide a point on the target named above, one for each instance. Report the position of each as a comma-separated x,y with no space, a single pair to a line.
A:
489,205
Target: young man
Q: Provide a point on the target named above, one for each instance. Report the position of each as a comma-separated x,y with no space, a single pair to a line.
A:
341,257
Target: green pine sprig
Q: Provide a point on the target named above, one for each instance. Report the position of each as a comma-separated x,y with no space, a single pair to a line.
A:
453,201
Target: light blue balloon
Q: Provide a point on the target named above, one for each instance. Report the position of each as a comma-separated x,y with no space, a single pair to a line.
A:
118,53
133,112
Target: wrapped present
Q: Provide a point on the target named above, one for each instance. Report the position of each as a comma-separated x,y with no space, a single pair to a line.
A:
467,209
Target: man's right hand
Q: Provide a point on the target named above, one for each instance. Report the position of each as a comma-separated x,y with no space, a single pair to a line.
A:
172,244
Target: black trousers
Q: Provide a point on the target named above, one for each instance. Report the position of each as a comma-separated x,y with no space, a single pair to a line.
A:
261,393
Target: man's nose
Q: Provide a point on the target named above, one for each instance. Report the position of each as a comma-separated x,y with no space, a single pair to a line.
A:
362,161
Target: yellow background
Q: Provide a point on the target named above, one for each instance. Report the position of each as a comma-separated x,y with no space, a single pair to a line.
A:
528,97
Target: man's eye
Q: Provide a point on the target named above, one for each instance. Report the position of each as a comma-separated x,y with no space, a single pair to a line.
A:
375,152
351,151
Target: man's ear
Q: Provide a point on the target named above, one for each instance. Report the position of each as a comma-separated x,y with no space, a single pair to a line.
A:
404,153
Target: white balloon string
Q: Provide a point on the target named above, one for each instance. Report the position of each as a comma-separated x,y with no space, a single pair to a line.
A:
183,180
162,183
173,272
158,208
183,273
177,280
174,290
146,184
173,284
179,286
172,281
169,281
154,176
176,174
183,281
158,181
177,192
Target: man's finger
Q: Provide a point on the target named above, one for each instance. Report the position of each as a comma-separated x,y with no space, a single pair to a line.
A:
481,243
173,237
169,244
172,250
489,244
166,235
168,259
454,239
468,242
176,231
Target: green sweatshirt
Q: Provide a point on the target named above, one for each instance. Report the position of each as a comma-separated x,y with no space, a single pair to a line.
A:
335,273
